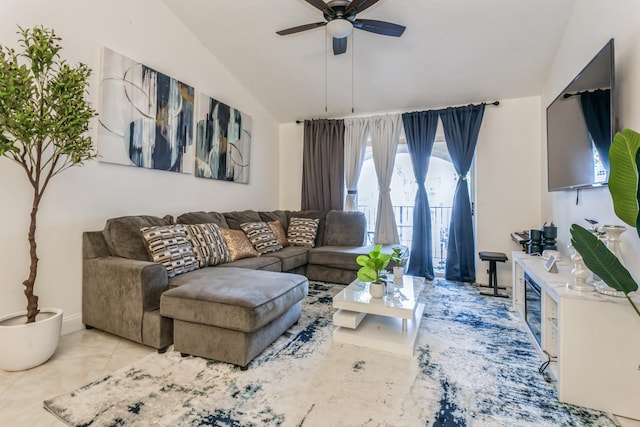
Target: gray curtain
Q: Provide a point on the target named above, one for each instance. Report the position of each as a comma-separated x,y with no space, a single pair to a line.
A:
323,165
355,147
385,133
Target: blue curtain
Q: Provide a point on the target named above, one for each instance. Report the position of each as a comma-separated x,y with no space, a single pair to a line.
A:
461,129
420,130
596,108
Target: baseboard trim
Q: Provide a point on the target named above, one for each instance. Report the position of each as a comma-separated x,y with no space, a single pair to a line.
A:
71,324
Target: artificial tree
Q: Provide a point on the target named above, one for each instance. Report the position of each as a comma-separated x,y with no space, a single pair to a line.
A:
44,118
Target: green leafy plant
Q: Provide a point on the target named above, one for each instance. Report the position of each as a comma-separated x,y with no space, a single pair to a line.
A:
44,118
397,256
373,265
601,261
624,157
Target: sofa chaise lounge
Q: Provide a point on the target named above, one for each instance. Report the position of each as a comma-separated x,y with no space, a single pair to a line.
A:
229,312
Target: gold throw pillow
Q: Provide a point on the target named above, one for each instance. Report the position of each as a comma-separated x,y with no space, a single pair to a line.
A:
238,244
278,230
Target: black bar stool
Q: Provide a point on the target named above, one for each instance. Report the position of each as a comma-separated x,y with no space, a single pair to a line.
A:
493,257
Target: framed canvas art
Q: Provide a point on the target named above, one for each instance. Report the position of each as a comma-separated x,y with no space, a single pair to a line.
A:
223,141
146,117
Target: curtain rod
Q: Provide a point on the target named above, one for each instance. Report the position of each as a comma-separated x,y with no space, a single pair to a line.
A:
568,95
496,103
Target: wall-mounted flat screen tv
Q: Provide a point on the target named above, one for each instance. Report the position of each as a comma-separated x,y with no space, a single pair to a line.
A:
580,127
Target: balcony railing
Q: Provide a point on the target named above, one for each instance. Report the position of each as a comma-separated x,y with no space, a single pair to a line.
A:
440,219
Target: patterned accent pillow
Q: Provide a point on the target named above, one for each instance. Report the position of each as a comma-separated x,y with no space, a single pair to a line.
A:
261,237
278,230
238,244
302,232
168,245
208,244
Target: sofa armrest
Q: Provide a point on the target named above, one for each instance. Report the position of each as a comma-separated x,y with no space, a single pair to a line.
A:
117,291
345,229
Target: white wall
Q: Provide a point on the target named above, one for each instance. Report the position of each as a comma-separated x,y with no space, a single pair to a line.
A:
592,24
291,147
83,198
507,176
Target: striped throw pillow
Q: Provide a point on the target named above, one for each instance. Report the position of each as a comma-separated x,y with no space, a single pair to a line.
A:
302,232
208,244
261,237
168,245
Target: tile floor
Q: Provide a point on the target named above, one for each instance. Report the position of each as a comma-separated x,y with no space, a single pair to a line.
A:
82,357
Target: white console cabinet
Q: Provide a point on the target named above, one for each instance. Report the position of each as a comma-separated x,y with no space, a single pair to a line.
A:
594,340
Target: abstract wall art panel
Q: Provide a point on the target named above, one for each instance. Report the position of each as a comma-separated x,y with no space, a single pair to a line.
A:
146,117
223,141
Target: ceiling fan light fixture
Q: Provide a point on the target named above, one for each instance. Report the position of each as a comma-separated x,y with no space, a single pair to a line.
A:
339,28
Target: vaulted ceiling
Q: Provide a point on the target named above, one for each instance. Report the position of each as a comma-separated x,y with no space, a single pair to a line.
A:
453,52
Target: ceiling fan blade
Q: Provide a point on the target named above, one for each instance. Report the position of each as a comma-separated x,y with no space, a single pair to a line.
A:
320,5
339,45
379,27
301,28
360,5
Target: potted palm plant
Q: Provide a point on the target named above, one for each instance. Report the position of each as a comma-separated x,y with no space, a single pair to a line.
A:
44,119
371,270
624,158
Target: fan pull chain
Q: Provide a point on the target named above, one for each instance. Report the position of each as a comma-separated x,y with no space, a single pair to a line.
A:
326,54
353,50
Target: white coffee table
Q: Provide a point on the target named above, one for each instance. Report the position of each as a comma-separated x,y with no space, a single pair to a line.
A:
390,323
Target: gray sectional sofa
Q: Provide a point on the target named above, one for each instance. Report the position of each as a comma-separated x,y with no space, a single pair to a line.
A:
229,312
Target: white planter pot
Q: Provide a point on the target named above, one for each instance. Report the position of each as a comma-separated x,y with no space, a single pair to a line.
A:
398,273
24,346
376,290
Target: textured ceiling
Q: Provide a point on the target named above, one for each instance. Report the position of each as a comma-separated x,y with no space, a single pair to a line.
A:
453,52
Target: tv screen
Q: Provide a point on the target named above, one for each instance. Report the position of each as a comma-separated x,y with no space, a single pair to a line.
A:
580,127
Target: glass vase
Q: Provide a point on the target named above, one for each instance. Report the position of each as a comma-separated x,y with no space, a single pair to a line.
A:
612,241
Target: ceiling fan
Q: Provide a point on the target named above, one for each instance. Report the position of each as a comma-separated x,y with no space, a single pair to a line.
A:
340,16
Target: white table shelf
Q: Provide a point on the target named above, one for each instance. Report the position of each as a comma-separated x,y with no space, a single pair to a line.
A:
595,339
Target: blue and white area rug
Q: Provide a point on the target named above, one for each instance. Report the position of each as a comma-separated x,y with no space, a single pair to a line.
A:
473,366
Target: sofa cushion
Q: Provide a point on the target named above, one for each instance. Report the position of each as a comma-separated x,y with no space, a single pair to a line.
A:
261,237
345,228
302,232
291,257
236,218
203,218
343,257
255,263
123,237
233,298
238,244
282,216
168,245
208,244
278,231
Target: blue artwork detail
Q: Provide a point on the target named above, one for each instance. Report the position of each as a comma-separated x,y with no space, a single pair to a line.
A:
146,117
223,138
160,139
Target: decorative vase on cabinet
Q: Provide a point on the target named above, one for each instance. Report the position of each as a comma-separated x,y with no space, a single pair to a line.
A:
612,241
